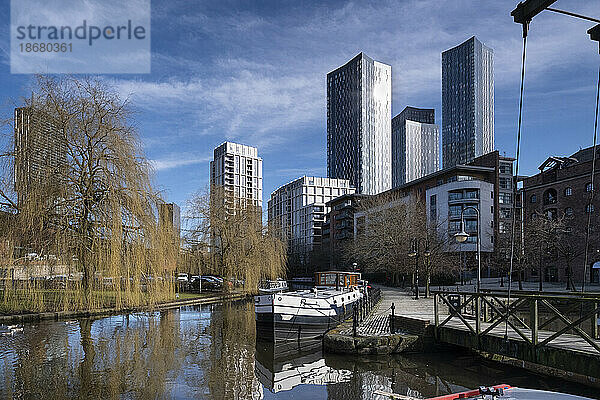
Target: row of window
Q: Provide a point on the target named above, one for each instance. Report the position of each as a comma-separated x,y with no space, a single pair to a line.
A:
552,213
550,196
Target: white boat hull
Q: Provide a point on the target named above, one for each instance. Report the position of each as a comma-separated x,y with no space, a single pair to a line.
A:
302,314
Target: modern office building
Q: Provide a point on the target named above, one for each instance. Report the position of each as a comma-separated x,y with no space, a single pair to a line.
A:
467,102
359,113
297,210
40,151
237,169
415,145
170,218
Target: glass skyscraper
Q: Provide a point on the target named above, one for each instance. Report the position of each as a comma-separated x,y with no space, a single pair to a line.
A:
415,145
467,102
359,113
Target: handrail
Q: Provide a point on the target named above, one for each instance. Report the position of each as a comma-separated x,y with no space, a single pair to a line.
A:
522,293
521,311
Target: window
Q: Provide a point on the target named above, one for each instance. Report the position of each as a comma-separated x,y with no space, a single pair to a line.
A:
471,225
454,211
550,197
505,212
551,213
588,187
433,207
568,191
505,168
589,208
533,198
455,196
472,194
454,226
568,211
502,227
505,198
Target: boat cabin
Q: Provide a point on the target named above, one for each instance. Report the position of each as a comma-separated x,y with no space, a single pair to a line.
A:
337,279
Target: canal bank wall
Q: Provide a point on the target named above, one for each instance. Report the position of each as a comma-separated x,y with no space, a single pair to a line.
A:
103,312
382,333
411,336
414,332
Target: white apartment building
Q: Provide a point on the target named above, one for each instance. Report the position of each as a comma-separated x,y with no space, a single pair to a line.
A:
445,203
298,209
238,169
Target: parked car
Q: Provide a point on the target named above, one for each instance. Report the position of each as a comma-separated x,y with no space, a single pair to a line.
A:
195,284
211,283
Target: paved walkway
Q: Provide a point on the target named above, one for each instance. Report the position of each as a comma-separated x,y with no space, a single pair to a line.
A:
377,322
405,304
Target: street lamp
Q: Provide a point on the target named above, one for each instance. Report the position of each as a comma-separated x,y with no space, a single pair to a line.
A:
462,237
415,253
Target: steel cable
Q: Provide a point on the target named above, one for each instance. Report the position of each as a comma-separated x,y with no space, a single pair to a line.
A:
591,203
514,216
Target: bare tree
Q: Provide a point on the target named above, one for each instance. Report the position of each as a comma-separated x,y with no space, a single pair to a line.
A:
558,240
240,246
387,226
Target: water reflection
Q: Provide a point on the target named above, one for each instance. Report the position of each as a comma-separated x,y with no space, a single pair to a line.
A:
211,352
284,366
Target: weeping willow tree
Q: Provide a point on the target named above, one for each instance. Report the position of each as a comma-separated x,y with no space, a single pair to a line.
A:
238,245
78,192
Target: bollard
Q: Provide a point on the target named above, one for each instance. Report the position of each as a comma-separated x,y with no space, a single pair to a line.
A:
392,330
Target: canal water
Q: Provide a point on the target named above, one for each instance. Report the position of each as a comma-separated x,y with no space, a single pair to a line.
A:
211,352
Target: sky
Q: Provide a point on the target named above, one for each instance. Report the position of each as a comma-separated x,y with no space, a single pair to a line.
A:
255,73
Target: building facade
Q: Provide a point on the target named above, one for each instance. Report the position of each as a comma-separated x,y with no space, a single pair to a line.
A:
467,102
40,151
443,194
298,210
237,169
415,145
562,190
445,204
359,113
339,226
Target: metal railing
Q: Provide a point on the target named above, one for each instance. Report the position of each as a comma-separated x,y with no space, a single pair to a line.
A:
364,306
538,318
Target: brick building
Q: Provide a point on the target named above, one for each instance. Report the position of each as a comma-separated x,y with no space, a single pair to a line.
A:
562,189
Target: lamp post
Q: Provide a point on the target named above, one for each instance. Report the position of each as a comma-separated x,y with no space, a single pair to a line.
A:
415,253
462,236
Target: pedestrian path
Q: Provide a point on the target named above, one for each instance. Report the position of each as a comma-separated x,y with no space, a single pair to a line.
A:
377,322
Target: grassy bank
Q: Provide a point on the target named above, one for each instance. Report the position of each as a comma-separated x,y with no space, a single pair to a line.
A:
58,300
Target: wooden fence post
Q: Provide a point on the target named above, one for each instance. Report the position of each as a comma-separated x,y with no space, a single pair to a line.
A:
436,315
595,321
478,315
534,322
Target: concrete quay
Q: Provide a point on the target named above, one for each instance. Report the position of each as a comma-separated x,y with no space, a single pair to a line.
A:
412,330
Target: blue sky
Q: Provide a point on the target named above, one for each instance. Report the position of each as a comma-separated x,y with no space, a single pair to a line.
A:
254,73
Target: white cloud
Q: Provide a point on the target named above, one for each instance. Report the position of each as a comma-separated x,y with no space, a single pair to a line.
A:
177,161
